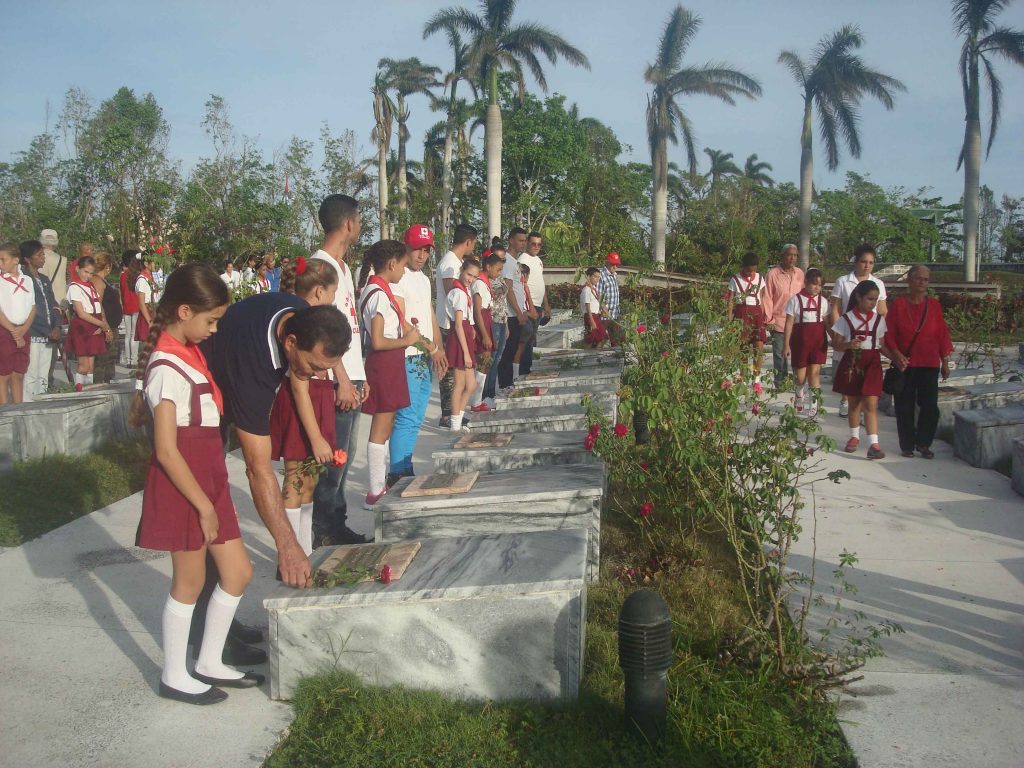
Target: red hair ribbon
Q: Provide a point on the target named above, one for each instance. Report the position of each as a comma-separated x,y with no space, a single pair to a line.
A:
300,265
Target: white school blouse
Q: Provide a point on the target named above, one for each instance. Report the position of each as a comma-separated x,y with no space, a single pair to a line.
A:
481,287
17,296
747,293
165,383
589,301
802,309
458,300
849,325
378,304
89,298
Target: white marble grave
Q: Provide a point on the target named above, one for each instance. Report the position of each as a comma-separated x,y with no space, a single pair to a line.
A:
545,418
73,424
534,499
529,449
574,377
498,617
603,394
1017,466
953,399
983,437
560,335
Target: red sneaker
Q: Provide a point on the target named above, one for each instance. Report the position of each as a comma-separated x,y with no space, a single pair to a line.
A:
372,499
78,387
851,445
482,408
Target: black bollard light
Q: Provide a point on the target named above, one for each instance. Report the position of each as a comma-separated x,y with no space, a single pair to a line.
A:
640,428
645,655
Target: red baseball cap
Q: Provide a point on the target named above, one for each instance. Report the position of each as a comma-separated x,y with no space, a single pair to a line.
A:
419,236
613,258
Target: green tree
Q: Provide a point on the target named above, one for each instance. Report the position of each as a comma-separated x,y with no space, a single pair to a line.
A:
833,82
495,43
984,40
755,172
666,121
722,165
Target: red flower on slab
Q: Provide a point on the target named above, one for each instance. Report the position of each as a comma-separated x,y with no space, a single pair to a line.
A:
644,466
595,429
385,574
646,509
536,390
621,429
665,353
589,442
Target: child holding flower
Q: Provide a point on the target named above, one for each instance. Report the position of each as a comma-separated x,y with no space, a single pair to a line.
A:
746,297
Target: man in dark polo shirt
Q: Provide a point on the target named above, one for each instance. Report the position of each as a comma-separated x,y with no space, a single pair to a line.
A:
257,342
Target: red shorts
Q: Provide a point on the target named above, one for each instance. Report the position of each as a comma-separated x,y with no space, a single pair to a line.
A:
453,349
863,378
288,440
85,339
596,335
753,320
389,387
13,359
807,345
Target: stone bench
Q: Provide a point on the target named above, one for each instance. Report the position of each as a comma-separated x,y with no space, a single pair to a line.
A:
602,394
953,399
483,617
530,449
983,437
1017,466
537,499
546,418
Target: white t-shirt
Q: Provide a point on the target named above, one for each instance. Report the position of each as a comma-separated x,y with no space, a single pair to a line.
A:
849,320
165,383
481,287
510,271
749,293
536,278
234,280
17,296
519,287
143,286
459,300
414,288
844,286
345,300
802,308
375,302
590,300
88,297
448,267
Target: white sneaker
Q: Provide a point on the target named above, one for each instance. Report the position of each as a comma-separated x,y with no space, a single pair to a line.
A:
798,402
844,408
812,411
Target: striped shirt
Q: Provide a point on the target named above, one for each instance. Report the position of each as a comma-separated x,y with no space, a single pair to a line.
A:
608,287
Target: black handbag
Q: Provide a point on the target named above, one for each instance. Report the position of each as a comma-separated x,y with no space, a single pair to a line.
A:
895,380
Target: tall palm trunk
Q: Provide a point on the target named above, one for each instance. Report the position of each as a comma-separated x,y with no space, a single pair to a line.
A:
659,212
403,185
492,153
972,172
382,192
806,187
446,170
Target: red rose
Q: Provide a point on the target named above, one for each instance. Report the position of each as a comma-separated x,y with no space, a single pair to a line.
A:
665,354
644,466
646,509
755,409
595,429
589,442
536,390
340,458
726,384
666,319
414,321
385,574
641,328
621,429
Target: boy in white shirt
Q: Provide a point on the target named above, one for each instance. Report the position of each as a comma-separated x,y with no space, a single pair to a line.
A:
463,245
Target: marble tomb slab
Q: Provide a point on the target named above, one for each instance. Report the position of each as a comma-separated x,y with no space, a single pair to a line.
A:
520,500
575,377
1017,467
70,425
579,363
561,336
498,616
952,399
983,437
602,394
545,418
529,449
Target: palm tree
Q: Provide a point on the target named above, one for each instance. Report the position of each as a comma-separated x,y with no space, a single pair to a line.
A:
721,165
975,21
754,172
833,82
496,44
406,77
666,121
383,115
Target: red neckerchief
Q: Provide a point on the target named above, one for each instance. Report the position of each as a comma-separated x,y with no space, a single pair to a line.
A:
265,284
19,284
813,303
460,286
193,356
93,295
526,290
864,322
381,283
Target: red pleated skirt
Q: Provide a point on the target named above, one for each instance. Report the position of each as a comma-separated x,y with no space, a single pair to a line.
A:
596,335
169,522
453,349
141,328
288,440
753,319
808,345
83,339
389,387
13,359
862,378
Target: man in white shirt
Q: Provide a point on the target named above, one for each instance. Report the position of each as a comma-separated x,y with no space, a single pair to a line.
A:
414,292
520,316
231,278
463,245
339,217
538,292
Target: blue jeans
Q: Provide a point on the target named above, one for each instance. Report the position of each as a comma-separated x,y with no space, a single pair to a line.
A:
329,507
499,334
409,420
526,364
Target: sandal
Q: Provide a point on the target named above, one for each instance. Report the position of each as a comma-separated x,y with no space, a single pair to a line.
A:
926,453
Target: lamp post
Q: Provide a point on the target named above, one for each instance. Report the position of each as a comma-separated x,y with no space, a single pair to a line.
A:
645,655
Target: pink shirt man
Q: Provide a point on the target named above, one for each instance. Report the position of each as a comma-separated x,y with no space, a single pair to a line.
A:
781,284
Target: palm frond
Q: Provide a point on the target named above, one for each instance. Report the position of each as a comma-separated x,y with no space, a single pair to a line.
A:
454,18
529,35
1006,42
827,129
791,61
680,29
995,88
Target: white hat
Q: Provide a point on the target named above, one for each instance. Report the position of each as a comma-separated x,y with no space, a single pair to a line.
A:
48,237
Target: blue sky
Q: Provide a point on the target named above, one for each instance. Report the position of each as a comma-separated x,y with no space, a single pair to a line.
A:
284,68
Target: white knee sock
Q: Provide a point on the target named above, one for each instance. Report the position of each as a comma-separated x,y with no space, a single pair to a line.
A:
80,378
294,519
456,422
872,439
306,528
218,622
177,620
88,379
855,432
376,456
515,371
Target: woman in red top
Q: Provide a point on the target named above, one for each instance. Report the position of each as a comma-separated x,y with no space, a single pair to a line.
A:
920,359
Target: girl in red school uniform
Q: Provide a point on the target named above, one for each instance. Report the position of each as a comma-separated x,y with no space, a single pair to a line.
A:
388,333
186,508
590,306
859,334
88,333
17,311
746,297
145,289
483,298
805,340
461,345
302,420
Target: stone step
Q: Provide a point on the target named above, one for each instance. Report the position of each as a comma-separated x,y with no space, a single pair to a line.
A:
603,394
490,617
575,377
530,449
974,396
546,418
535,499
1017,466
983,437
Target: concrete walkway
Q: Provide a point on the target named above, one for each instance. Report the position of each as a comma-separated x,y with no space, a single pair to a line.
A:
941,552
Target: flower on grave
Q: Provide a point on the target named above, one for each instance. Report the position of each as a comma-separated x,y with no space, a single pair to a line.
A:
160,250
641,328
665,353
709,424
339,459
595,429
755,409
758,388
645,466
590,441
646,509
666,319
536,390
385,574
726,383
621,430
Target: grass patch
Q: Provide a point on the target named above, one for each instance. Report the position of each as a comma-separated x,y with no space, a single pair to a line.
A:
723,709
42,494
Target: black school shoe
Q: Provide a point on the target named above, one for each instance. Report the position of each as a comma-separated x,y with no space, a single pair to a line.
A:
210,696
245,633
238,654
248,679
